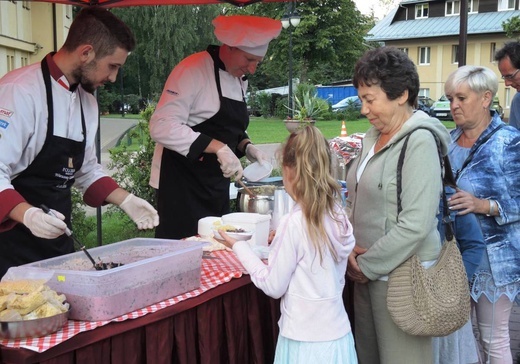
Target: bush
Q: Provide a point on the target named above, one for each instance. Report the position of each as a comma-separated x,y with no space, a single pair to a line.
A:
81,224
133,168
264,103
351,112
328,115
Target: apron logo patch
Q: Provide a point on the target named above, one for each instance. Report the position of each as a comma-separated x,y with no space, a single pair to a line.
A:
6,113
71,165
171,92
3,124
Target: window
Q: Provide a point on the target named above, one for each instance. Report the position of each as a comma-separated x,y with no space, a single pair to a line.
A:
424,92
10,62
452,7
455,54
405,50
421,11
424,55
492,51
506,5
473,6
24,61
25,5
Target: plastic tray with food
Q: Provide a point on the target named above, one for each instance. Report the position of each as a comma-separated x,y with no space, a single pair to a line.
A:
29,308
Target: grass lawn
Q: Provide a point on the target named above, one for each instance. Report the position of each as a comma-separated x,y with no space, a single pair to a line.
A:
118,116
272,130
264,131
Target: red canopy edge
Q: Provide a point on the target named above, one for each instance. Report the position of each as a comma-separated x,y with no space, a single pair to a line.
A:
126,3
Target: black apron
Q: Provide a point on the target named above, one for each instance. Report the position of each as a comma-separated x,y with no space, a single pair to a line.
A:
190,190
47,180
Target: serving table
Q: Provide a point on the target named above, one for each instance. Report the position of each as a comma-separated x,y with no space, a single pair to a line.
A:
226,320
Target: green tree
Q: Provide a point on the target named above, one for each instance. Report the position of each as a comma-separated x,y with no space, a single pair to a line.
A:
512,27
165,35
326,44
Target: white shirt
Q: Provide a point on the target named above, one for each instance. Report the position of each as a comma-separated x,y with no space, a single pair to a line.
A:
189,98
22,137
312,306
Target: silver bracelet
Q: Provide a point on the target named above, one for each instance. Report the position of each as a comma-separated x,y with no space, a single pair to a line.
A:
492,207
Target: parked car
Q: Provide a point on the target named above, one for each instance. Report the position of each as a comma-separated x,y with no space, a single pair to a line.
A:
441,109
496,106
351,101
425,104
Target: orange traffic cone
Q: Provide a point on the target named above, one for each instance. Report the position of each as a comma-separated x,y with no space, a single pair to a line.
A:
343,130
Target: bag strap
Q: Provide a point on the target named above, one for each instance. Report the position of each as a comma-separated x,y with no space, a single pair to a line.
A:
447,180
475,148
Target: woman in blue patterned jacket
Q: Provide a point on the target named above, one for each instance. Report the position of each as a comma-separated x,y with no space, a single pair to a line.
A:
485,157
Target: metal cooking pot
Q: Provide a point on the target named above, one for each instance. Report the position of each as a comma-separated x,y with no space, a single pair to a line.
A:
261,203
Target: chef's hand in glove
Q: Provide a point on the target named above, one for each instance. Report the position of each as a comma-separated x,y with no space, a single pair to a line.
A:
229,163
254,154
140,211
44,225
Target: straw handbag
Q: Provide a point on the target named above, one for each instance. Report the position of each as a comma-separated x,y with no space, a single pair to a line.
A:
433,301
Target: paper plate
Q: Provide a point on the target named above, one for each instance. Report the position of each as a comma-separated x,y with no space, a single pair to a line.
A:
256,171
246,235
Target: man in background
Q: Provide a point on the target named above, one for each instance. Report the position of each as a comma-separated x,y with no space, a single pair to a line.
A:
508,59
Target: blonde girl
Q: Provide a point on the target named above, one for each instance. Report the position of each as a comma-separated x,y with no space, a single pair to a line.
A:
308,258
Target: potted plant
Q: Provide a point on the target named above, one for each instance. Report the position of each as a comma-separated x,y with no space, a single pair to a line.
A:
306,110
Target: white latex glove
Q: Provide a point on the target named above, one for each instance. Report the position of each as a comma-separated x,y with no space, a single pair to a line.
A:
140,211
44,225
255,155
229,163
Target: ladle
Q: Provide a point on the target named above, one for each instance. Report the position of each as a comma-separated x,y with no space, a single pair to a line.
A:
80,246
249,192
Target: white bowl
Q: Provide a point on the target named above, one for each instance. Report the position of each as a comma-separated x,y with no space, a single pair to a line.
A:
256,171
246,235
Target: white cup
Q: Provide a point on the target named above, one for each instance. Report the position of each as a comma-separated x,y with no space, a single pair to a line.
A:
205,226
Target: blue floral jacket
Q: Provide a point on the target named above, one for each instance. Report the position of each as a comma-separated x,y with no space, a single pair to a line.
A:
494,173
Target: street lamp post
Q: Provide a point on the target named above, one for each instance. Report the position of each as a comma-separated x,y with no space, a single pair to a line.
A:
290,20
122,94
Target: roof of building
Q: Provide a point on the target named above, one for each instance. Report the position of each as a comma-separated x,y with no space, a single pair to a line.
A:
481,23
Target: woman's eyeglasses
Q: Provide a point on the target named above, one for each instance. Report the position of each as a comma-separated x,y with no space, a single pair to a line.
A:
511,76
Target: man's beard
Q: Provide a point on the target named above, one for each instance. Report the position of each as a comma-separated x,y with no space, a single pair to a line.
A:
80,74
87,85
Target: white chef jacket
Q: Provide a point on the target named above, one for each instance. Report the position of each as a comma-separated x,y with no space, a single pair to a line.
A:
23,127
189,98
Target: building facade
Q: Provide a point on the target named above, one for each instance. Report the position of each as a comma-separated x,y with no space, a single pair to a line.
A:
29,30
428,31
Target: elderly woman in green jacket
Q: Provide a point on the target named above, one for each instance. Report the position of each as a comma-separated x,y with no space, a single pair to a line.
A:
388,85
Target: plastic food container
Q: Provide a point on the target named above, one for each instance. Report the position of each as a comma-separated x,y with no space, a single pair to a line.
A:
153,270
251,221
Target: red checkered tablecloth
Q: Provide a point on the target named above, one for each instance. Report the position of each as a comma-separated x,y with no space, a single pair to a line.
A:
214,272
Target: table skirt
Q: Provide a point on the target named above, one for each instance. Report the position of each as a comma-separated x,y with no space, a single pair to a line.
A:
232,323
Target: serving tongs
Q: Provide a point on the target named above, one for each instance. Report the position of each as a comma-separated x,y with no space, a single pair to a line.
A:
97,266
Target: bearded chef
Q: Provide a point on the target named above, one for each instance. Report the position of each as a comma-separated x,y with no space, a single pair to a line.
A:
200,125
48,123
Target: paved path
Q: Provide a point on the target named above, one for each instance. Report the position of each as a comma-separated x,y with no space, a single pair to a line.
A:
113,129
